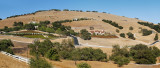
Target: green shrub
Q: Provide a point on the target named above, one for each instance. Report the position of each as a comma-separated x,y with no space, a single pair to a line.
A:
29,26
130,35
117,30
18,24
5,44
122,35
83,65
94,11
66,10
9,50
56,9
88,11
39,63
52,54
130,28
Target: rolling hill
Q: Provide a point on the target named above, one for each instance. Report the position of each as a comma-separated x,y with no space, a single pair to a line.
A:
95,21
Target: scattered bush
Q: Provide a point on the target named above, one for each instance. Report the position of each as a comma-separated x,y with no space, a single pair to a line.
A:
117,30
156,37
56,9
83,65
88,11
122,35
131,36
130,28
66,10
0,18
94,11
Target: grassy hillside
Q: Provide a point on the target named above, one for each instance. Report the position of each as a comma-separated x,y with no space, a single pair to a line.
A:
96,22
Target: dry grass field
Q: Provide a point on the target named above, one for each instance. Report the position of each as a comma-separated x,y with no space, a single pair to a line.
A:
8,62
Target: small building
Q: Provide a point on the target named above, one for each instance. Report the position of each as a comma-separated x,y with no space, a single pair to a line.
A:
1,32
97,32
33,22
75,19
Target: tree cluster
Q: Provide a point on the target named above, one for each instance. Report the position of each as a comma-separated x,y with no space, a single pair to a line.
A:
65,50
144,55
120,56
85,34
146,32
112,23
39,63
141,54
5,45
151,25
20,24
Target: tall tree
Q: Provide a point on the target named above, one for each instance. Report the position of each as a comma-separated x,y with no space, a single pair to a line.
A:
85,34
156,37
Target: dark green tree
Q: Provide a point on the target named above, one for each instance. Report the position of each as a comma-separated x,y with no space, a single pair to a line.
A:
156,37
131,36
122,35
52,54
85,34
30,26
130,28
143,55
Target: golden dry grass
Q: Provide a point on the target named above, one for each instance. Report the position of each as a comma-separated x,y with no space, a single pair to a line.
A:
8,62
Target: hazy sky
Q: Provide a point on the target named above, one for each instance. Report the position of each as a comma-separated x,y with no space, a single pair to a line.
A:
148,10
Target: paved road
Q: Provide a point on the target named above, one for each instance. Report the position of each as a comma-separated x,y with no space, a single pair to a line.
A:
75,40
155,42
